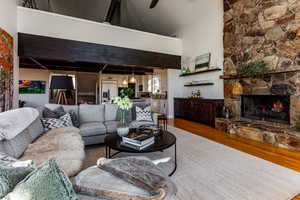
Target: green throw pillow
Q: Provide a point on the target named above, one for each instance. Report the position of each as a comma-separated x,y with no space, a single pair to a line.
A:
47,182
10,177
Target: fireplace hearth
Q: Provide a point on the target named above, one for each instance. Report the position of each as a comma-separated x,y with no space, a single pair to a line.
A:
272,108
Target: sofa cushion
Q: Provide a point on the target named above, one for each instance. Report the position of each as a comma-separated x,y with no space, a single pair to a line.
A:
91,113
137,124
13,122
46,182
92,128
111,112
15,147
10,177
111,126
66,108
35,129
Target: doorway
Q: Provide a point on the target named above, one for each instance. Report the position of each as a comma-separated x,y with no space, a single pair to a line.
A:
109,90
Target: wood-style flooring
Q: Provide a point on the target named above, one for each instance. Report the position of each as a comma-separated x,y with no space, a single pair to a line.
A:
267,152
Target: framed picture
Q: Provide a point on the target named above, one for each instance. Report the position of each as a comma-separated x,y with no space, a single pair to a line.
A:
32,87
202,62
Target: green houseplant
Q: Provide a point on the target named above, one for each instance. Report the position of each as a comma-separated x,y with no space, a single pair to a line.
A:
254,69
124,104
127,92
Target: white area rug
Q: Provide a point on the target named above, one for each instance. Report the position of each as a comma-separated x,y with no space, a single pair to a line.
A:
211,171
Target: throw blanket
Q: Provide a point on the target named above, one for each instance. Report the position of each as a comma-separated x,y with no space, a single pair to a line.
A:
15,121
139,171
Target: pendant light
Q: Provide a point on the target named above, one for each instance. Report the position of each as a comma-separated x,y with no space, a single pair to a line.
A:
132,79
125,81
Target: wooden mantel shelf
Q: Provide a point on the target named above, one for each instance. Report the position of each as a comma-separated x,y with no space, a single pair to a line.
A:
237,76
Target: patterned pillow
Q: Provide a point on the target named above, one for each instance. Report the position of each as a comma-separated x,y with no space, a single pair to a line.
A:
143,114
48,181
52,123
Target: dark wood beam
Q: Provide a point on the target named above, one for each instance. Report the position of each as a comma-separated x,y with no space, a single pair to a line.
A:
41,47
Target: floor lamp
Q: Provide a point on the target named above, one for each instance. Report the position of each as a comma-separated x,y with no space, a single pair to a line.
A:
62,84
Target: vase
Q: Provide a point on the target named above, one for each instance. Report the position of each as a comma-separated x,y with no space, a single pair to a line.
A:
123,129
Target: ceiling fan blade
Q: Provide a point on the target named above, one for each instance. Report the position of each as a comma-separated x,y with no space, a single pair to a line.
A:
153,3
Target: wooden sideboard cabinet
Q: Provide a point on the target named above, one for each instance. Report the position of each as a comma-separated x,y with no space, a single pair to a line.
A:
199,110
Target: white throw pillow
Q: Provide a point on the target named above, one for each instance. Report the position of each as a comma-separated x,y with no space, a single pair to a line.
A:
52,123
143,114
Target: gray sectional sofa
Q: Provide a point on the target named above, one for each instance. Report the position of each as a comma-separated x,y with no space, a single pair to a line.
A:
96,121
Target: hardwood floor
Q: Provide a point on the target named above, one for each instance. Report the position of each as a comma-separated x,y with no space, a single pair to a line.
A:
267,152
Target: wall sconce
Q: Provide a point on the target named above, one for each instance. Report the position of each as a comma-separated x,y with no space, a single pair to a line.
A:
237,88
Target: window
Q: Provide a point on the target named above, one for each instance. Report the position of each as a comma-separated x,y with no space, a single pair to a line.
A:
154,84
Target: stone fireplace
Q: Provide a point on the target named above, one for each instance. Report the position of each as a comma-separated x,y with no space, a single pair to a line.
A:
268,108
271,108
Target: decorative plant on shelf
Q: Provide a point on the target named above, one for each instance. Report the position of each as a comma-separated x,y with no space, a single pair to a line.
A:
254,69
127,92
124,105
185,71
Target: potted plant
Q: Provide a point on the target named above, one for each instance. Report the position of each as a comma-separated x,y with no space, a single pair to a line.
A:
254,69
124,105
127,92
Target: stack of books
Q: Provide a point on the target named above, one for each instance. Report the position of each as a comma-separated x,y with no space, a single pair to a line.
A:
138,142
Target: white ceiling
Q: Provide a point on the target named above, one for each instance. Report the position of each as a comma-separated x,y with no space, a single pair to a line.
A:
167,18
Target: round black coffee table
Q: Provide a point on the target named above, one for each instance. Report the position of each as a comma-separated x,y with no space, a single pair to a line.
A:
162,142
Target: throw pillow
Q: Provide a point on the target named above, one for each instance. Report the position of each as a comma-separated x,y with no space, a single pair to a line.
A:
57,113
48,181
75,119
143,114
52,123
10,177
67,119
47,113
60,111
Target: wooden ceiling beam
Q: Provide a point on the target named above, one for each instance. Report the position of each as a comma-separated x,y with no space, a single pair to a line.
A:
47,48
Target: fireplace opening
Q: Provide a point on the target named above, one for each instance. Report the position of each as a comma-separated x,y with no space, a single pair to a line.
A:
271,108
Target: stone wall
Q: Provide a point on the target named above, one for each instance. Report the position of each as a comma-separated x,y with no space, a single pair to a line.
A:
261,30
266,30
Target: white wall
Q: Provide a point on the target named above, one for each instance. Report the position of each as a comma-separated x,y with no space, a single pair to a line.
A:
175,89
8,22
59,26
203,35
35,75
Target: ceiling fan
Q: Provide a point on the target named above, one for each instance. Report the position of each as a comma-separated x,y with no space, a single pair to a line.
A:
153,3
